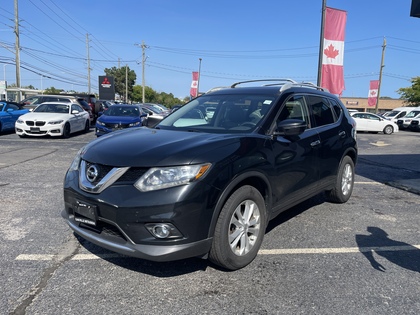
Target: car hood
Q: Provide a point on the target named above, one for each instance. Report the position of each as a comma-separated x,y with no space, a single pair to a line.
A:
118,119
44,116
144,147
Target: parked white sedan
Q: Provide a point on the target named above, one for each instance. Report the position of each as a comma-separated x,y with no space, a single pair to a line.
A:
373,123
53,119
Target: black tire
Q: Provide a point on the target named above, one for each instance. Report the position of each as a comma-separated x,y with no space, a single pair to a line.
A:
344,183
239,230
66,130
388,129
87,126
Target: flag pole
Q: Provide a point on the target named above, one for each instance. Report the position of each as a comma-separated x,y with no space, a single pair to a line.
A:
321,43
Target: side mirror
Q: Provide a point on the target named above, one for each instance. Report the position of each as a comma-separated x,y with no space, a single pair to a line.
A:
290,127
74,111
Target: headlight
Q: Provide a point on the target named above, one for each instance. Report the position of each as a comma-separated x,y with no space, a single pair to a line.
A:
100,123
19,121
165,177
134,124
55,122
76,161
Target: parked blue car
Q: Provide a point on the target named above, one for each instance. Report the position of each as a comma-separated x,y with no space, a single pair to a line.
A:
9,113
120,116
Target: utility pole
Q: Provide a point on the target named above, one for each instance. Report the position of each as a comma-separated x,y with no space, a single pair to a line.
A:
321,43
380,75
17,51
143,64
199,74
126,83
88,61
143,61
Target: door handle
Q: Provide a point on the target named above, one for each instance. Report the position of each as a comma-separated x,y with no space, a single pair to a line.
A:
315,143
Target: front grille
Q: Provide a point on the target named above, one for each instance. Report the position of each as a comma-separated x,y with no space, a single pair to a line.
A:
105,229
116,126
133,174
130,176
35,123
36,132
103,171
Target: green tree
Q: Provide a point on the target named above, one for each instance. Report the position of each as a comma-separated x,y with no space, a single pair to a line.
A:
52,90
121,80
411,95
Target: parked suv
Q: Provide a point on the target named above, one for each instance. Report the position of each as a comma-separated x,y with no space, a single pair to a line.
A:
195,186
33,101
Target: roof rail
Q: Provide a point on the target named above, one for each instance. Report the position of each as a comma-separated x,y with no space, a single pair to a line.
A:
217,88
265,80
303,84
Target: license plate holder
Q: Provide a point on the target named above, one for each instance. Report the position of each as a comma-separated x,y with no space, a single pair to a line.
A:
85,213
35,130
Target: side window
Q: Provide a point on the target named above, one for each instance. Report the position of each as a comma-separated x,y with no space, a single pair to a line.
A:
13,106
75,107
49,99
63,100
336,108
33,100
321,110
294,108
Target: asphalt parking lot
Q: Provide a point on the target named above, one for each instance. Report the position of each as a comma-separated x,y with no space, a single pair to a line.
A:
362,257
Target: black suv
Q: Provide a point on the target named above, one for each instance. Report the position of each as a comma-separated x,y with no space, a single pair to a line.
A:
207,179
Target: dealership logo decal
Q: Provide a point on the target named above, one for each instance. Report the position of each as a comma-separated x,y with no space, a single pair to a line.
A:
105,83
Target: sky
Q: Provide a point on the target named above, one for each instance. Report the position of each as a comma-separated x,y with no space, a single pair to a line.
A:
236,40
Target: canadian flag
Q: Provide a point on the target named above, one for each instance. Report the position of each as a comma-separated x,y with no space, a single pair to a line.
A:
194,84
333,50
373,92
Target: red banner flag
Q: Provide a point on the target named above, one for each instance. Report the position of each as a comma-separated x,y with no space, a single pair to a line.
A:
333,53
194,84
373,92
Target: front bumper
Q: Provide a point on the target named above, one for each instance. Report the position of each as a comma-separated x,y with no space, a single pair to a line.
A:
122,213
46,130
158,253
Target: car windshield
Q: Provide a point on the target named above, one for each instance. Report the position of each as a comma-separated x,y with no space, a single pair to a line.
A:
154,110
412,114
116,110
393,113
52,108
221,113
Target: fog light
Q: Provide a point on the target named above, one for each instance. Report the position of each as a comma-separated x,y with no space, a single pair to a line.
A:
163,230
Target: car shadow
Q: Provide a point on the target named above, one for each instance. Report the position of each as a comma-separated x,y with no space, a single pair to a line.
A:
295,211
399,253
156,269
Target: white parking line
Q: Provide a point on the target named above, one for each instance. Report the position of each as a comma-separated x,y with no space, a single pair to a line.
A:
284,251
